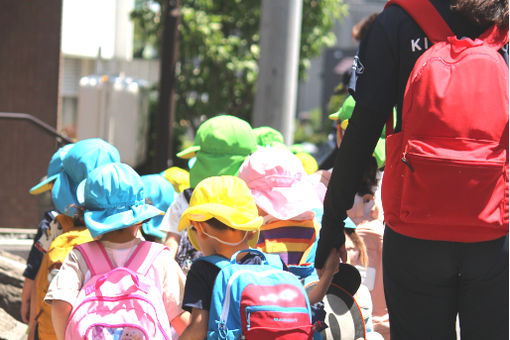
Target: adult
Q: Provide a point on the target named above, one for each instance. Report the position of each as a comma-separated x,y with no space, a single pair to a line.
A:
431,277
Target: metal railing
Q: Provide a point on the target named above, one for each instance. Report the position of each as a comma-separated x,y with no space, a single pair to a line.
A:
39,123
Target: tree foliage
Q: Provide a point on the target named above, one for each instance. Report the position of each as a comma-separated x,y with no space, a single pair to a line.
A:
219,49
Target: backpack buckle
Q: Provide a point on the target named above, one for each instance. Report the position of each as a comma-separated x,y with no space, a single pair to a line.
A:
222,329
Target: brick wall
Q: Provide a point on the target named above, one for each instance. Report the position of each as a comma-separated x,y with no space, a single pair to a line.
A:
29,83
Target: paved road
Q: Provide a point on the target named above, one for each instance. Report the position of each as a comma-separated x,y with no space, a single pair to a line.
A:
16,241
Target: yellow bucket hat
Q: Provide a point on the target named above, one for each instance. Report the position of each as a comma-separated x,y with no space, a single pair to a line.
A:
178,177
308,161
226,198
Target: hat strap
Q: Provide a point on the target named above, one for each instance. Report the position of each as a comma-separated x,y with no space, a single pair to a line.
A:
225,242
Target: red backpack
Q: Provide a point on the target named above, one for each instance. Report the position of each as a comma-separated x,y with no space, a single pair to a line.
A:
446,175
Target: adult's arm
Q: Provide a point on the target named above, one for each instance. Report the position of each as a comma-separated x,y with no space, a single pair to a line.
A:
357,146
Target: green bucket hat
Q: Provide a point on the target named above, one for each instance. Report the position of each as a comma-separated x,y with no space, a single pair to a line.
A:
297,148
345,111
344,114
221,145
267,136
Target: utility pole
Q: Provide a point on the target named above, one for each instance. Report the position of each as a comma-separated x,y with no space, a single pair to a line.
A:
280,33
166,103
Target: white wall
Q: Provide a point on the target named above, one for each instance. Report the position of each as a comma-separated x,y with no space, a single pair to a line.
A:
88,25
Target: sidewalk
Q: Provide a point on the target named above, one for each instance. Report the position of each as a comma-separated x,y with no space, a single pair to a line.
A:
17,241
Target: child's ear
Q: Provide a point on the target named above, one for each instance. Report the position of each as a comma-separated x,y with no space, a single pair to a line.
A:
198,227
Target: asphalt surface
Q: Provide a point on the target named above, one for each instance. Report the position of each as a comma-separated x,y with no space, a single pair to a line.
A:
16,241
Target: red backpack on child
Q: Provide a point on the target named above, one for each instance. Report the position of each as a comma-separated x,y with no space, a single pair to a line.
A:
446,175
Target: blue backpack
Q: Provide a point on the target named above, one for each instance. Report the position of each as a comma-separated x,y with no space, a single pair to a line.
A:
257,301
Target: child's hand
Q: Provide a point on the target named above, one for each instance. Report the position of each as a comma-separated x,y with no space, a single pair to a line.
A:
28,285
331,265
326,274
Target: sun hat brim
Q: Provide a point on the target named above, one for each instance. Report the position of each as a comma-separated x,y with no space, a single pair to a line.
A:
80,192
189,152
208,164
225,214
345,111
228,215
334,116
284,203
63,195
43,186
100,222
192,236
380,152
152,227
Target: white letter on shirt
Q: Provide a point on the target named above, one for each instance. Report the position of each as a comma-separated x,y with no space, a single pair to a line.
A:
415,45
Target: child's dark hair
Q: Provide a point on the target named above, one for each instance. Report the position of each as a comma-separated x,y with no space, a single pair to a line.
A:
78,218
361,28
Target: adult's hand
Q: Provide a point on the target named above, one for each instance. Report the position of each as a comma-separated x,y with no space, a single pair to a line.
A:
331,237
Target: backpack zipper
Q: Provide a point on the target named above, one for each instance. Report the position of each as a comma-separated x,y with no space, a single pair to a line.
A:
226,303
404,160
250,309
116,298
452,160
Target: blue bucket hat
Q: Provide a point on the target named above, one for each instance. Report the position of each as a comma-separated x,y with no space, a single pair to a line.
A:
114,199
80,160
161,194
54,168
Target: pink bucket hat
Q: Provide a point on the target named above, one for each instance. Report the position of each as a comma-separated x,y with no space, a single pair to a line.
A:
279,183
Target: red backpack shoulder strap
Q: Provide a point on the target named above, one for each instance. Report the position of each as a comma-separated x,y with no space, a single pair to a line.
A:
427,17
143,256
96,257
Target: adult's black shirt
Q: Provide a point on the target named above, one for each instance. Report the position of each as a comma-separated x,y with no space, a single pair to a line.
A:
385,59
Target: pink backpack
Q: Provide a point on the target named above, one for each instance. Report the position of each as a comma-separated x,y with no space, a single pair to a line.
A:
120,303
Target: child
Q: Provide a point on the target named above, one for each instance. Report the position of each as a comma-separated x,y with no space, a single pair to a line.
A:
269,137
221,145
41,242
222,218
357,256
79,159
287,200
309,163
115,209
178,177
160,193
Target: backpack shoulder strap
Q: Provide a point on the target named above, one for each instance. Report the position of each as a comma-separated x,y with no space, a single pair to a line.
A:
274,260
143,256
96,257
426,16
